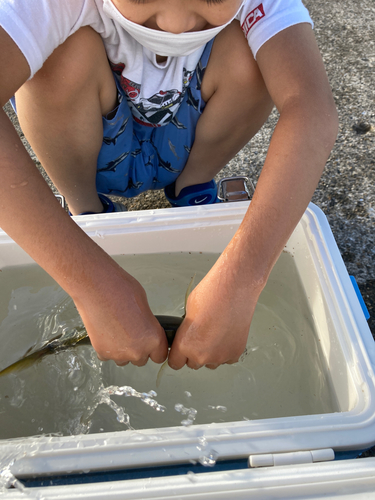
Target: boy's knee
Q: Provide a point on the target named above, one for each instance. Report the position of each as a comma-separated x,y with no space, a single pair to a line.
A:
232,67
75,65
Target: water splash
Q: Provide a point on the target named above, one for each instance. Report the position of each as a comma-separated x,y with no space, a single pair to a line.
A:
127,391
208,456
7,479
192,476
104,394
210,459
218,408
191,414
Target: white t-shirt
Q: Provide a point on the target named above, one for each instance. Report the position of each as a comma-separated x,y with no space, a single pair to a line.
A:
39,26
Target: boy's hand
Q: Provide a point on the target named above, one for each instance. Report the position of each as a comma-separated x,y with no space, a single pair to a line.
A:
120,323
217,323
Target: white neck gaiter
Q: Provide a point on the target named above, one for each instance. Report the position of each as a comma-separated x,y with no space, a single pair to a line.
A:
161,42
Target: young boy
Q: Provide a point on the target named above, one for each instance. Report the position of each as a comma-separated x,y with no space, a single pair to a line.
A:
120,96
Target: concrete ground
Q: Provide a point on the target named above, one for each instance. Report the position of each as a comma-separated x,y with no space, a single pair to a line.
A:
346,192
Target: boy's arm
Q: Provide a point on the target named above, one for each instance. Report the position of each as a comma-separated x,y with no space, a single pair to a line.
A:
112,304
220,309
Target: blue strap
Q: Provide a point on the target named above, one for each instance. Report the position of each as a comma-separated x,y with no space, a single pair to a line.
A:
360,298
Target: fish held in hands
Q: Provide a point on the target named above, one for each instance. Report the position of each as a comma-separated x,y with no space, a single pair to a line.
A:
78,337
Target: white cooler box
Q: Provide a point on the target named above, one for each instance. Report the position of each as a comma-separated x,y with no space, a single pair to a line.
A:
292,445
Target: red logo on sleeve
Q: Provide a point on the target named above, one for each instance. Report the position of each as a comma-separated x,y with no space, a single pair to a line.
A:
252,18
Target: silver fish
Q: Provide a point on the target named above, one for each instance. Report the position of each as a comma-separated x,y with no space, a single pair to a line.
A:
79,336
165,364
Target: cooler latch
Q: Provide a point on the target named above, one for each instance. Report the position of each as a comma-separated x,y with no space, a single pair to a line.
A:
238,188
60,198
291,458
